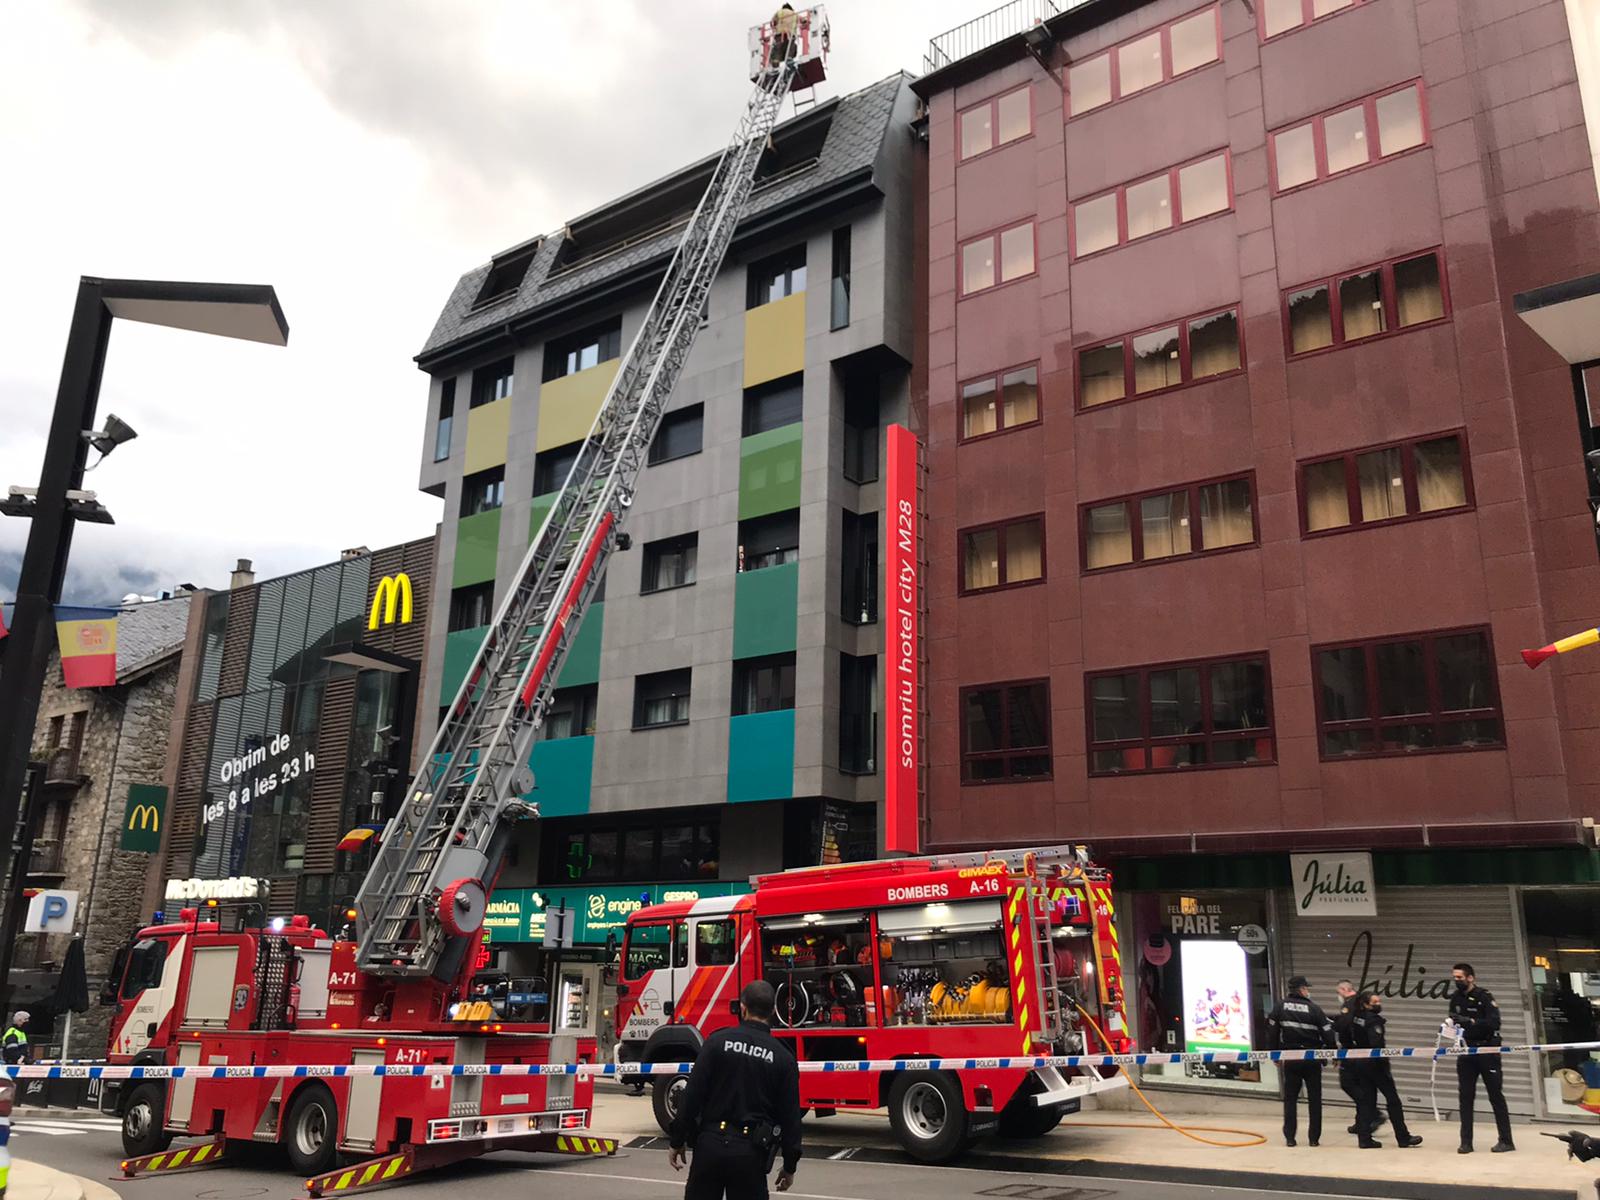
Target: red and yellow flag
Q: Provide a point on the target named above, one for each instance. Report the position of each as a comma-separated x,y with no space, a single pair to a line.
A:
88,638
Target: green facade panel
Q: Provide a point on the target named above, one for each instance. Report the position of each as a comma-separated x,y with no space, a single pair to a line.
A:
764,610
562,769
460,648
583,658
769,471
477,546
761,756
541,507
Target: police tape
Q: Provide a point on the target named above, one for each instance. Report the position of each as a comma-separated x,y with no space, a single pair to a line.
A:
845,1066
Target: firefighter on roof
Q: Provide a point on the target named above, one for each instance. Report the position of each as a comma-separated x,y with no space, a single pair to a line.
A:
742,1103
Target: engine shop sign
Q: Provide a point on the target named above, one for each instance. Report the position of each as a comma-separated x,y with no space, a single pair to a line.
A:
1333,885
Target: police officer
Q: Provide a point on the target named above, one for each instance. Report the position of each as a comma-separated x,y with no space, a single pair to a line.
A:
1298,1024
1374,1077
14,1042
741,1104
1476,1014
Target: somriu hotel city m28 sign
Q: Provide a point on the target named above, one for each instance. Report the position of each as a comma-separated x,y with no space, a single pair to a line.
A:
902,651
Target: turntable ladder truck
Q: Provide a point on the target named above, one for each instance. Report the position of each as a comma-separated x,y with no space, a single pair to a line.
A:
198,992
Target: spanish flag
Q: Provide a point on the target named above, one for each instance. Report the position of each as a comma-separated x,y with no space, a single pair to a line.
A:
358,837
88,638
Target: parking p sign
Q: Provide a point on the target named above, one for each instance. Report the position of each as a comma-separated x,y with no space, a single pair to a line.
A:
51,912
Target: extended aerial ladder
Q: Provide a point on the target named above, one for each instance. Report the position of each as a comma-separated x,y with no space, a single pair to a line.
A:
438,858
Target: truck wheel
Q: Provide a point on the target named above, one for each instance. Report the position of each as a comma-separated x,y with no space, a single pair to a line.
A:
665,1097
1023,1120
311,1135
142,1119
928,1115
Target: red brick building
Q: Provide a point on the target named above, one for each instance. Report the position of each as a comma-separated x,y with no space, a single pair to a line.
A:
1245,484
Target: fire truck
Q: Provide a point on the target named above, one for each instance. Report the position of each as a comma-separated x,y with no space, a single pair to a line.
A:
978,956
222,988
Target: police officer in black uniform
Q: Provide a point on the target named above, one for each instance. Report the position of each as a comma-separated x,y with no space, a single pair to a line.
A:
1374,1077
1473,1009
741,1104
1298,1024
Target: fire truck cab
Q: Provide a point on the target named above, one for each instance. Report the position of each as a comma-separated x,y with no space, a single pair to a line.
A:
970,957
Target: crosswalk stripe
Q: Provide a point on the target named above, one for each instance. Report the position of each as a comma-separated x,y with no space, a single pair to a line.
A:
47,1125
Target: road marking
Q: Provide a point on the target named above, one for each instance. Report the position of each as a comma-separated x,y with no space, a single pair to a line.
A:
59,1128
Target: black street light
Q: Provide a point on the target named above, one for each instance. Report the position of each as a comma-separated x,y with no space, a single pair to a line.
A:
247,311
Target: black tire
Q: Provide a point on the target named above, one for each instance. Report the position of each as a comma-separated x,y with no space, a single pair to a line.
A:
142,1119
1022,1120
665,1096
311,1134
929,1115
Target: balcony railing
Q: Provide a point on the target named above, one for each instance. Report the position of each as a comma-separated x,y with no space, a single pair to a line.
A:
995,26
63,766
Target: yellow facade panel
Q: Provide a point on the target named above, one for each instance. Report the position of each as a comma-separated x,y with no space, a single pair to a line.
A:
488,434
775,340
567,406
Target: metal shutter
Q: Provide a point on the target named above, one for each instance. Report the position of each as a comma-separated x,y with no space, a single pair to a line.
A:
1437,927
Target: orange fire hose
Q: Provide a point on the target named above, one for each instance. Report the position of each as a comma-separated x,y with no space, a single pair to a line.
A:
1192,1132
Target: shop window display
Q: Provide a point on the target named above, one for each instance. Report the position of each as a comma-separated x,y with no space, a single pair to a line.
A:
1200,988
1563,932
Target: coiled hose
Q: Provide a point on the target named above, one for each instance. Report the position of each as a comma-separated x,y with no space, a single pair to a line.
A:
1192,1132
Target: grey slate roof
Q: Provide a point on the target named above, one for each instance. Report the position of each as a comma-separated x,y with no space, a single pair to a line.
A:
855,136
148,632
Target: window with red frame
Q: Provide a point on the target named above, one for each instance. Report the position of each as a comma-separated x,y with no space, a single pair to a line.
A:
1004,555
1150,58
1385,483
1401,695
1175,716
1194,519
1366,303
996,122
997,258
1005,732
1139,364
1000,402
1352,136
1136,210
1280,16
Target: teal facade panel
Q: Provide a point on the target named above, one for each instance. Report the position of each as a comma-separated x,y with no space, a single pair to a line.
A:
562,771
761,756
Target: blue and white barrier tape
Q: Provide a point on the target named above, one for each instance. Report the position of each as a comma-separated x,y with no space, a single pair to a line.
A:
1028,1063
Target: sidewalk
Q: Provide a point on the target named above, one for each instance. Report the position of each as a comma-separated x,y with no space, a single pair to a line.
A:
1125,1141
30,1181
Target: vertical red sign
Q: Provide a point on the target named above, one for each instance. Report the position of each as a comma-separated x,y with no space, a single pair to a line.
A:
902,649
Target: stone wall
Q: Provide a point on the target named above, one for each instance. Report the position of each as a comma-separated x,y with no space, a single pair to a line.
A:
124,742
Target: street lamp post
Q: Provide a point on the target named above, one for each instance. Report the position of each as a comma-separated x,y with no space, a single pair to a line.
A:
247,311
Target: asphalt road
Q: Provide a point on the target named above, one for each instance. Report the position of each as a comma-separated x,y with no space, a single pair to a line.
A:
88,1147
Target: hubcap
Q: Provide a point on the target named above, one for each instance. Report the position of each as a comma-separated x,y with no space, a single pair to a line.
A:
675,1095
924,1110
312,1132
136,1123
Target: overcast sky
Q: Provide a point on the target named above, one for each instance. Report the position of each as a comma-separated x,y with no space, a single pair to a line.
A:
358,155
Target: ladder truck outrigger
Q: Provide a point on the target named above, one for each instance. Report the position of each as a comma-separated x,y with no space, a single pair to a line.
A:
217,987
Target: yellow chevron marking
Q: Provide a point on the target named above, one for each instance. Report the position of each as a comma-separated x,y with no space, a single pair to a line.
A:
595,1146
394,1165
1027,1043
177,1159
344,1181
155,1163
1022,990
372,1169
1016,962
561,1143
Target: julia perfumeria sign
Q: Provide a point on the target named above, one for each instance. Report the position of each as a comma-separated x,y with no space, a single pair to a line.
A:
902,651
1333,885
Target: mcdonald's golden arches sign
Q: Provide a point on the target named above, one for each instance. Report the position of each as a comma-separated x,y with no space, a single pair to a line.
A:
141,820
391,601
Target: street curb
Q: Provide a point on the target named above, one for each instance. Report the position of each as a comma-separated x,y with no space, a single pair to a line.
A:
1381,1189
30,1179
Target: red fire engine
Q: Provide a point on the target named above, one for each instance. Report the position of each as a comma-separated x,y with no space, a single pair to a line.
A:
300,1022
967,956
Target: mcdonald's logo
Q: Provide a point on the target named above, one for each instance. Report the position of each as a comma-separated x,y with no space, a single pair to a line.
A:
392,599
141,819
144,816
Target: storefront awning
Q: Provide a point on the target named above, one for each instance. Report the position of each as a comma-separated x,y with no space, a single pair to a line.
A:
368,658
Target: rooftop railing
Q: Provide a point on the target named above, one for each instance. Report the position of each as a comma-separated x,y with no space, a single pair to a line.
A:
994,26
